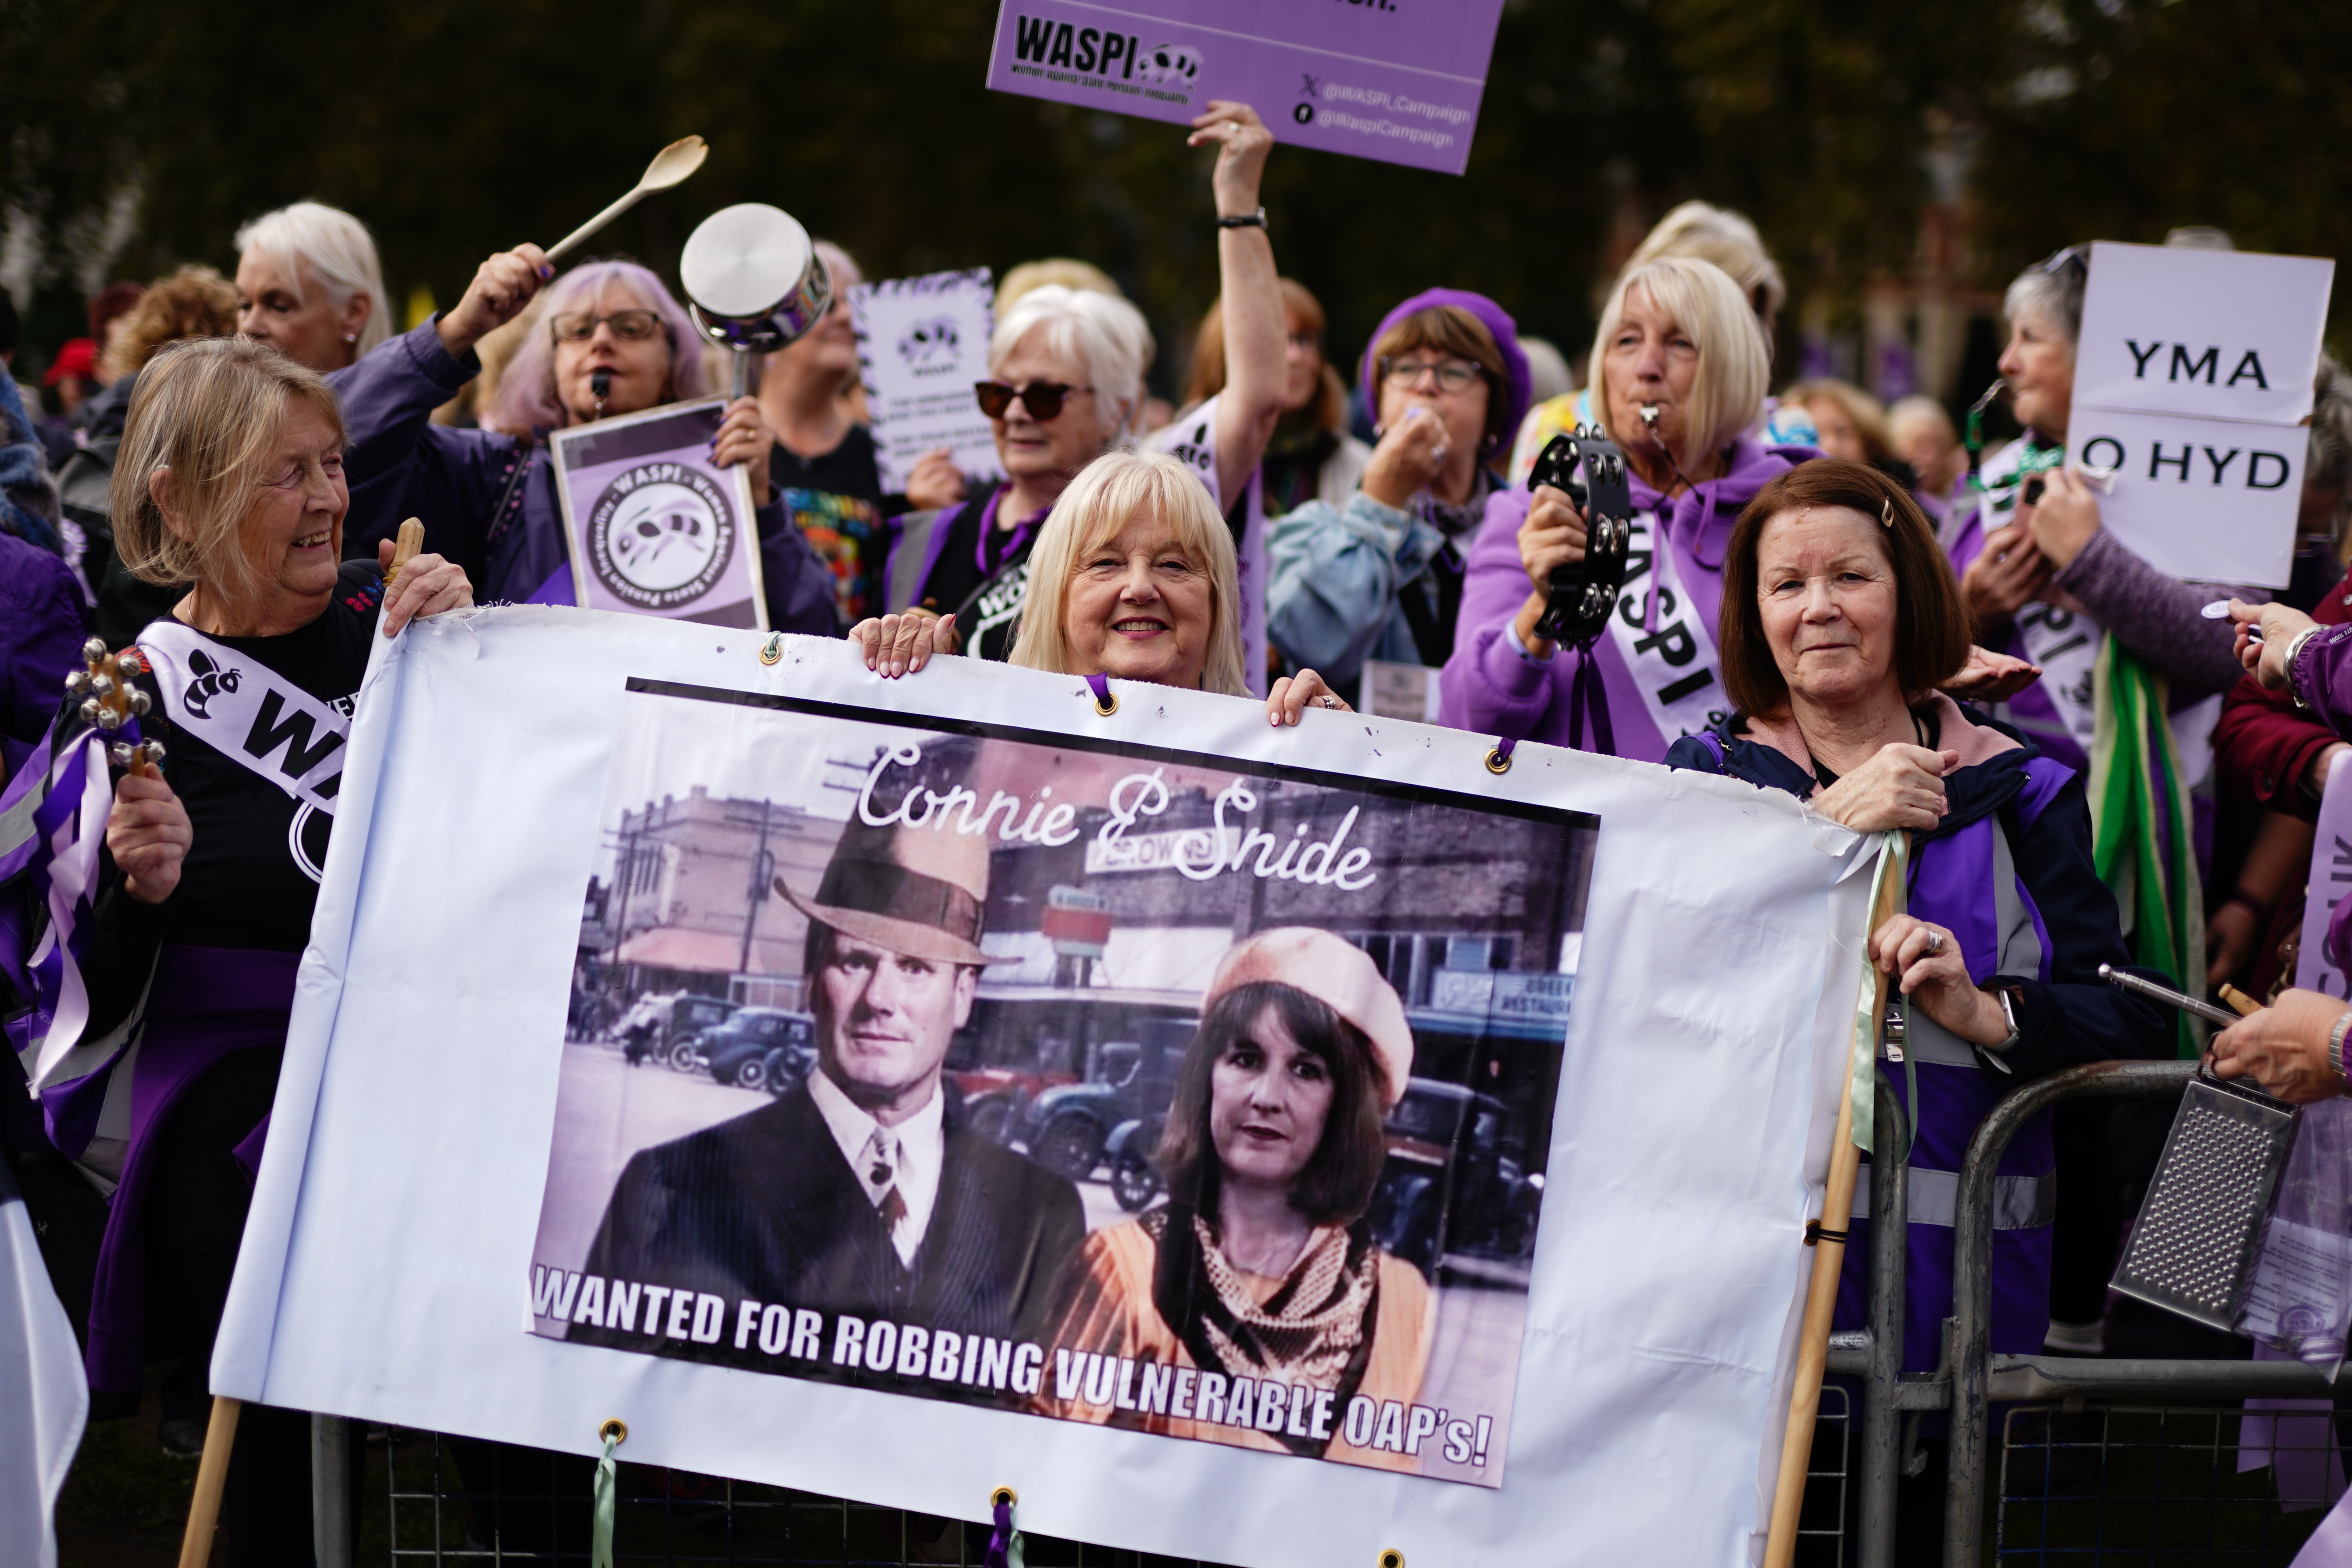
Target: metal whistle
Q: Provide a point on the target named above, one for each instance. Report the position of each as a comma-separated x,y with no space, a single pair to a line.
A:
600,387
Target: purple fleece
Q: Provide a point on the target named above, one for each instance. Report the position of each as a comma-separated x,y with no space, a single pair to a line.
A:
1498,322
1488,688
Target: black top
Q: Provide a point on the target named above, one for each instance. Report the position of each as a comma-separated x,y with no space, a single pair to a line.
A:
836,499
968,562
763,1206
241,884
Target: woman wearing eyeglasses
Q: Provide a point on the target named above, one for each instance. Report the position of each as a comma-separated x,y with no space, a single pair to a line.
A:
1380,577
1066,383
613,341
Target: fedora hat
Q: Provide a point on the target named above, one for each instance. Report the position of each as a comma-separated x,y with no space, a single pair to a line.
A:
922,891
1336,973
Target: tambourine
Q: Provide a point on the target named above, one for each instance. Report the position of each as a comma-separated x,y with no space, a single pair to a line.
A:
754,282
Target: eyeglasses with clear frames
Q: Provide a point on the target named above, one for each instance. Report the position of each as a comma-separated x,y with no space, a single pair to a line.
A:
1452,374
629,326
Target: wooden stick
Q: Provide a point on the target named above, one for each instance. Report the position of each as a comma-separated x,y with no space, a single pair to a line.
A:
212,1471
1820,1298
2240,1003
407,547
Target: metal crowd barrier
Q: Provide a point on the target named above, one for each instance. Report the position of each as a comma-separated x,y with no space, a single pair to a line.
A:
2119,1425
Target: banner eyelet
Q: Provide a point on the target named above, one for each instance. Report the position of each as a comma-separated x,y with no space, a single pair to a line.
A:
773,650
1003,1495
1498,760
613,1430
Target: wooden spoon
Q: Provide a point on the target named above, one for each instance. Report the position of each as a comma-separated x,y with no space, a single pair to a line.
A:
670,165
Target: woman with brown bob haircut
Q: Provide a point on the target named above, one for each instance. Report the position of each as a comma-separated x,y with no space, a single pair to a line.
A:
1839,617
1253,1306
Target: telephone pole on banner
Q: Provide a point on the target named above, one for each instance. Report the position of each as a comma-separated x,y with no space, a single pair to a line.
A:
762,869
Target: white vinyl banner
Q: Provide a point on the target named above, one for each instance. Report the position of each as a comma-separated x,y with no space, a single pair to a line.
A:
2192,383
1635,1055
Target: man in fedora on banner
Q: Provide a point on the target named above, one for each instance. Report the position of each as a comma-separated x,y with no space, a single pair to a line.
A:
859,1191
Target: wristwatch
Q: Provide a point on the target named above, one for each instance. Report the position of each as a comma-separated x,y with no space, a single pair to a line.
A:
2008,997
2335,1045
1247,220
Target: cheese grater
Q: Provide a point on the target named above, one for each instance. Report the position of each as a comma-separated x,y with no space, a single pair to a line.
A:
2193,1247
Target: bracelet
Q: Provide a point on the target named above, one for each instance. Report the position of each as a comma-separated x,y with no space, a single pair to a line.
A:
2336,1043
1249,220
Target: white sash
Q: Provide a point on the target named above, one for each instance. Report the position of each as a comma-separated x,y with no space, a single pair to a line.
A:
250,713
1673,668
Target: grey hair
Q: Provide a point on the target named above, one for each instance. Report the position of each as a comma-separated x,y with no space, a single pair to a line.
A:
1102,333
2329,462
2053,295
337,249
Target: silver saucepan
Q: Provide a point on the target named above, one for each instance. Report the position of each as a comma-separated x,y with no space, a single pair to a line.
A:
753,281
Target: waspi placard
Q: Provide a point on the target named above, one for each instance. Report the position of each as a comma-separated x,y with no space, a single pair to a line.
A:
1399,81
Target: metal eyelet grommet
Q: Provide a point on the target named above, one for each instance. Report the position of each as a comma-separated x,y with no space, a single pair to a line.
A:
613,1430
1498,760
1391,1558
773,650
1003,1495
1106,704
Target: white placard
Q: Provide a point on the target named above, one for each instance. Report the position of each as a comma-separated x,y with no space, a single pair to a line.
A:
2331,878
2192,374
2209,334
653,527
384,1274
2208,500
921,344
1399,690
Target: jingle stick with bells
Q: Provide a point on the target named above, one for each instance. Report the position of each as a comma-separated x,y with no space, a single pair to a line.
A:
110,703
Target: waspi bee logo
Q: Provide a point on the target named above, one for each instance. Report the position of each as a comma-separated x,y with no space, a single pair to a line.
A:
661,536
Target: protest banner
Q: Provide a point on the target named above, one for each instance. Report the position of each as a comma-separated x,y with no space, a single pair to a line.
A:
652,525
446,1173
922,342
2192,383
1399,81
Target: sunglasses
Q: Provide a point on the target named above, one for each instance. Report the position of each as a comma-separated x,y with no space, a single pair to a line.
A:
629,326
1043,399
2076,258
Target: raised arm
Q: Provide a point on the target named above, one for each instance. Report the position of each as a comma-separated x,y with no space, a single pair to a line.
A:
1255,329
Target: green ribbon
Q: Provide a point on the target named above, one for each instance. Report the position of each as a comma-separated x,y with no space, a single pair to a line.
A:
2138,799
599,1531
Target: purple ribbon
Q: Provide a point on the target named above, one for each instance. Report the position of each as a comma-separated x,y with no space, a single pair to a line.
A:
999,1540
1100,684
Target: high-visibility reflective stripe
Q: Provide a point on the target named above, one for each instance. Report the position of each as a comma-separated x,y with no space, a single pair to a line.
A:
2018,1202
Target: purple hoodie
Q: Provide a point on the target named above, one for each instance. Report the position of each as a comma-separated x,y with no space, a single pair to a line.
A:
1497,321
1487,686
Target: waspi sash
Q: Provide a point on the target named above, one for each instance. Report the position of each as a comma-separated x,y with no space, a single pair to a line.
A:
250,713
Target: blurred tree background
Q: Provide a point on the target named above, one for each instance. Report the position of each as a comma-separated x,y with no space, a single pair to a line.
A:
1873,144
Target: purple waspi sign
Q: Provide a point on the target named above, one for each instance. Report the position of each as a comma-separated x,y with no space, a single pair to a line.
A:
1394,80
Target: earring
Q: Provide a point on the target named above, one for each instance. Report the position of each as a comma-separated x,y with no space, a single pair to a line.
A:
350,337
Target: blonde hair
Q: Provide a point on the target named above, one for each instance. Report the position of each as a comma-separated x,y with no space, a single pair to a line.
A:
1704,232
211,411
1106,496
339,252
1062,269
1102,333
194,302
1733,369
1868,415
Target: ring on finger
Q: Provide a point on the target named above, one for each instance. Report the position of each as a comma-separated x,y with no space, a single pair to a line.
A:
1935,943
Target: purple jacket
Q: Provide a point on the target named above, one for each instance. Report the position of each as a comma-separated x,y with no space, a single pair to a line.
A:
400,465
1487,686
41,632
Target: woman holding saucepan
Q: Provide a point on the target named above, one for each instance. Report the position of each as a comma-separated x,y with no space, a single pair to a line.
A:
1065,370
230,478
614,341
1840,619
1258,1282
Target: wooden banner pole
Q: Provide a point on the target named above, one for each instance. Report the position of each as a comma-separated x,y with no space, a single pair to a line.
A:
212,1472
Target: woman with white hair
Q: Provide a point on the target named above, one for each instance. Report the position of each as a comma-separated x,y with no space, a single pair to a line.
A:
1065,385
613,341
309,284
1132,577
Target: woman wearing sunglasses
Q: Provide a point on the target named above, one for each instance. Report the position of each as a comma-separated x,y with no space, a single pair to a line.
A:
611,340
1066,381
